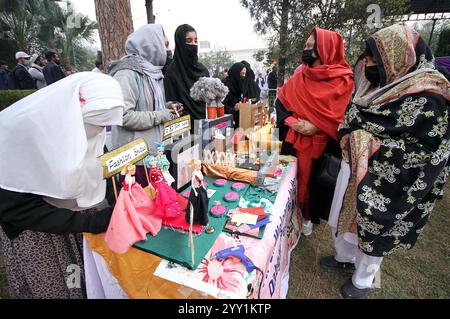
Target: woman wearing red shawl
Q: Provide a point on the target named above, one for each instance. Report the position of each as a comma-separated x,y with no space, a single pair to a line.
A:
312,105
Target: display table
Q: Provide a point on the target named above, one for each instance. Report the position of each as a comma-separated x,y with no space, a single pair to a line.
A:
138,274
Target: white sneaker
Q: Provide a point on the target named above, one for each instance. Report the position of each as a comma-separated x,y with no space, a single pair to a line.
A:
307,228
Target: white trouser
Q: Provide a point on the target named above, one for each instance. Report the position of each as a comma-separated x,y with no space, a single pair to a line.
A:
347,251
346,244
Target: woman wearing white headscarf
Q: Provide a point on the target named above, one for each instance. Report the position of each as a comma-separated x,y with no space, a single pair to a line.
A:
51,182
140,76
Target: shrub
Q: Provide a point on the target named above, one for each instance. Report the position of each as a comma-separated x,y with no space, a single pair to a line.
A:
9,97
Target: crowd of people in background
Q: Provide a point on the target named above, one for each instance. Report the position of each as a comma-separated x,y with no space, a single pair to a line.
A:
34,72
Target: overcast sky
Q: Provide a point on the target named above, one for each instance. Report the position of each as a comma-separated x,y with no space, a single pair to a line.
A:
225,23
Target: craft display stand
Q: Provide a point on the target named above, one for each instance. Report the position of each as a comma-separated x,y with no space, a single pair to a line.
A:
251,116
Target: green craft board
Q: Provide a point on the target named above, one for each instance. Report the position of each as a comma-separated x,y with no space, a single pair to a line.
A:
174,246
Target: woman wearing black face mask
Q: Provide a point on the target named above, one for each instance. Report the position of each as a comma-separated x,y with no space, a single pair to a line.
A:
310,107
371,70
395,139
184,71
237,83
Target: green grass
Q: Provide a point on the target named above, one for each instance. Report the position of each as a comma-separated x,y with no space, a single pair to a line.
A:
423,272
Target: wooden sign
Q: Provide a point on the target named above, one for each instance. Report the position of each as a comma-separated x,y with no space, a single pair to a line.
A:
131,153
177,127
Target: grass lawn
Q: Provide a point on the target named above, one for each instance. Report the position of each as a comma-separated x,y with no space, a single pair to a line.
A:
424,272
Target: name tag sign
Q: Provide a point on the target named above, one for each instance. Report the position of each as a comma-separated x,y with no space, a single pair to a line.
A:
177,127
131,153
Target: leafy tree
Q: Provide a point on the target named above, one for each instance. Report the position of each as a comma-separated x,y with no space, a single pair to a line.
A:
75,30
443,48
288,23
37,26
438,38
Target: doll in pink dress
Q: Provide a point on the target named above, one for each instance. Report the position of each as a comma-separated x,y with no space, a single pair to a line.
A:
133,216
169,204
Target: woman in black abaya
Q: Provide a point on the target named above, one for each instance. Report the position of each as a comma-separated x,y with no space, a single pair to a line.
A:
185,71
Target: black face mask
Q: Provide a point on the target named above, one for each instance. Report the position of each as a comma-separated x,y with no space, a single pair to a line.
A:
372,74
192,50
308,58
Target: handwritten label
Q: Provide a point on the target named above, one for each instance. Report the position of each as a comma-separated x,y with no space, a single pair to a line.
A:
131,153
177,127
126,157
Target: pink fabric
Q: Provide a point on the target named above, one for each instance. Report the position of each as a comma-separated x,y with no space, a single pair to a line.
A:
131,220
169,204
224,274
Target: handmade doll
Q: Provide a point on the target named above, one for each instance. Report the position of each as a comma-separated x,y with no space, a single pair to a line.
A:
198,199
133,216
164,164
169,204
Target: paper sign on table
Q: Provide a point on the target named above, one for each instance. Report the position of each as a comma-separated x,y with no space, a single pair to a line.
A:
244,218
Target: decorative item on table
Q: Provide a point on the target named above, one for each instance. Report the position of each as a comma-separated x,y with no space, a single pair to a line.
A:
133,215
249,222
220,158
238,187
230,159
208,128
211,91
219,142
218,210
169,204
252,116
231,197
198,204
231,173
164,164
220,182
180,155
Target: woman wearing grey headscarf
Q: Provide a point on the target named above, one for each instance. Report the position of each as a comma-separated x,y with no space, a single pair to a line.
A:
140,76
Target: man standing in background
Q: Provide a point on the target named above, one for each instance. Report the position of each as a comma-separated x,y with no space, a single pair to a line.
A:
21,78
52,71
37,65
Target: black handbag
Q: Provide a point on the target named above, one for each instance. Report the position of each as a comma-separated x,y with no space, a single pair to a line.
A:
329,171
323,182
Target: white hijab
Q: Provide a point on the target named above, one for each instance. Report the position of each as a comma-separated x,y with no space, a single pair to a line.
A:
51,140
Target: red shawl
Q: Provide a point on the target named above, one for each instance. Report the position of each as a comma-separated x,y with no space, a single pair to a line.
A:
320,95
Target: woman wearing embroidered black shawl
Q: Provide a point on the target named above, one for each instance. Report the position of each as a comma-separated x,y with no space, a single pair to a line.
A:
396,145
184,71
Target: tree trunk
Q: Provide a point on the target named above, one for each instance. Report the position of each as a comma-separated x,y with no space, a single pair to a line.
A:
115,24
282,59
150,16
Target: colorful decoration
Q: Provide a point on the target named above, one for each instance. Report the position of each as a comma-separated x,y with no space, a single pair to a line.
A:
238,187
218,210
221,182
232,197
